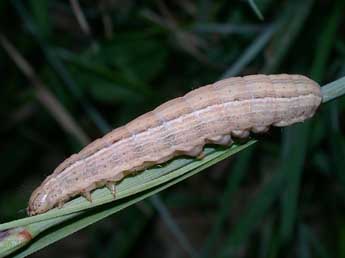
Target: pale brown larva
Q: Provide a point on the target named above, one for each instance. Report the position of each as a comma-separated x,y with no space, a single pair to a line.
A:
182,126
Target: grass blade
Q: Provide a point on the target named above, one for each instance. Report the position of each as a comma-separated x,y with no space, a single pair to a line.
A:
156,179
295,15
250,53
233,183
253,215
333,90
256,9
295,139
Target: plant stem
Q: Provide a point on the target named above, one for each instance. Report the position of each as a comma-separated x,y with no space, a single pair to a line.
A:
333,90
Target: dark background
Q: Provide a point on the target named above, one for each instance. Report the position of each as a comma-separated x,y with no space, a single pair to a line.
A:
284,197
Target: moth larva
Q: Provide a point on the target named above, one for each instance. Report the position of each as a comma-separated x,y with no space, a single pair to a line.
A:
182,126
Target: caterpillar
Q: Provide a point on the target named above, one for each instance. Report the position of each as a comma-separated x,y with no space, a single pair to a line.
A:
211,114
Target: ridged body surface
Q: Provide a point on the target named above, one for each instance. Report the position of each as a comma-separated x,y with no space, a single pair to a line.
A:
182,126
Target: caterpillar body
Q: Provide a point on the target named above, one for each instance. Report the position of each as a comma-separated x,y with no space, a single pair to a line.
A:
210,114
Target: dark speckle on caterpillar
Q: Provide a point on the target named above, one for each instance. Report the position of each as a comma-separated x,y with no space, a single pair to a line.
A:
214,114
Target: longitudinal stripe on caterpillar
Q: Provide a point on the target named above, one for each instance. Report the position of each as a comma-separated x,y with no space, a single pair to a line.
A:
182,126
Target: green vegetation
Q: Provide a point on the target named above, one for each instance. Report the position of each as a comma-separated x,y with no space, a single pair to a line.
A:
72,70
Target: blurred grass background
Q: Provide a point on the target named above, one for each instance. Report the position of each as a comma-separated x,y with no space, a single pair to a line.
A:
91,66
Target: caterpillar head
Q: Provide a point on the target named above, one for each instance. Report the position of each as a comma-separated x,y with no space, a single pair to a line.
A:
40,201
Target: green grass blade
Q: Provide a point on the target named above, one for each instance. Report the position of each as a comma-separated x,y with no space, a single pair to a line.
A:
295,15
133,184
253,215
233,183
256,9
325,45
148,183
183,241
317,245
336,142
333,90
326,41
252,51
58,66
295,139
304,247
